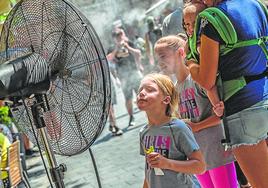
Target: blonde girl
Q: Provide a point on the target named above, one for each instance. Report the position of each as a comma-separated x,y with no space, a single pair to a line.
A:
172,154
196,109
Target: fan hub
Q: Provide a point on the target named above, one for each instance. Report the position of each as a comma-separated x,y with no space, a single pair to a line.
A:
65,73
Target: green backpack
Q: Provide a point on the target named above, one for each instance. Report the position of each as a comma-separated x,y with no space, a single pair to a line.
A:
227,32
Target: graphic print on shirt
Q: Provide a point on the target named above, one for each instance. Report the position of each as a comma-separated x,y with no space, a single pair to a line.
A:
188,106
160,143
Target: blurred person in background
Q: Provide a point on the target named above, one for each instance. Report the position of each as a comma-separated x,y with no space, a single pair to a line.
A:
151,36
172,23
115,130
127,60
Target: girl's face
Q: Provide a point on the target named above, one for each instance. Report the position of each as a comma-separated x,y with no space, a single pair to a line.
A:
150,96
189,21
167,59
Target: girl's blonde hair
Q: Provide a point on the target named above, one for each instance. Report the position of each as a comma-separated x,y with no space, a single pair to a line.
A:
172,41
168,88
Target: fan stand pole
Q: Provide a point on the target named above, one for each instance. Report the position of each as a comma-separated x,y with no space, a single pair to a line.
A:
95,167
56,172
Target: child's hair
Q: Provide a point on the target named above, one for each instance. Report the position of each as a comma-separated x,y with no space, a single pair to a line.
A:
183,36
193,7
191,1
172,41
167,87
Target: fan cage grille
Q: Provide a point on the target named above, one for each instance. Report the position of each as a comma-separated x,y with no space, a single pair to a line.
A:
79,94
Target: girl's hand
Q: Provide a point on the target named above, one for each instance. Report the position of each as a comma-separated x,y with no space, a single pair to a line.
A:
193,68
193,125
219,109
155,160
190,63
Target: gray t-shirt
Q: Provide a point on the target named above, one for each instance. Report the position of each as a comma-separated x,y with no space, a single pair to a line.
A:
195,105
173,140
172,24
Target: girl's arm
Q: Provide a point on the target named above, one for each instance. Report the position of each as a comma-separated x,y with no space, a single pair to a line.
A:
205,74
194,165
135,52
211,121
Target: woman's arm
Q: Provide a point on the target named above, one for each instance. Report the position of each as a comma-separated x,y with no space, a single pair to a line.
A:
194,165
145,184
135,52
137,55
149,48
205,75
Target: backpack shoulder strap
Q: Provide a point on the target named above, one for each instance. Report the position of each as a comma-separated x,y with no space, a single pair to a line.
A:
192,54
221,23
227,32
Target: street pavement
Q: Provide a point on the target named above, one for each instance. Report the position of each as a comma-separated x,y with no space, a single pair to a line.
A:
118,161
